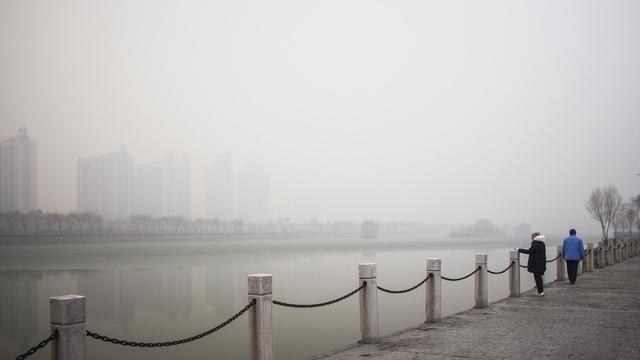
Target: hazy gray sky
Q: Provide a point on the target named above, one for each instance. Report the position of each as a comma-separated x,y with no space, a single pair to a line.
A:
393,110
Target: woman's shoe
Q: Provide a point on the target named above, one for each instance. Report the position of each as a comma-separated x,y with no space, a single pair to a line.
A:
541,294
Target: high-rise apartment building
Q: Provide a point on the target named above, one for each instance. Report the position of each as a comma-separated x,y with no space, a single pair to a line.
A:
104,185
18,173
162,188
219,189
148,190
254,194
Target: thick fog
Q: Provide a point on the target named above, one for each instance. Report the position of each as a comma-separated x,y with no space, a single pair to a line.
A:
441,112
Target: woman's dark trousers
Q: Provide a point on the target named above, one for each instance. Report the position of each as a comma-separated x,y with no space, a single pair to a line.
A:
539,283
572,270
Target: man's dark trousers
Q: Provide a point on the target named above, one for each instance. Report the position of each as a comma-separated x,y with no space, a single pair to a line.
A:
572,270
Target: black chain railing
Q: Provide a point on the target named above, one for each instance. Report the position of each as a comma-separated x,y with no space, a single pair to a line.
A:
555,258
587,252
523,266
174,342
464,277
42,344
503,271
306,306
405,290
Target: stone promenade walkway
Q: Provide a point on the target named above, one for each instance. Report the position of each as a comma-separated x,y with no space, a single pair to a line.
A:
598,318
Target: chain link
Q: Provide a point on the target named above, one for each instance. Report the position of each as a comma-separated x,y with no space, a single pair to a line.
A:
42,344
174,342
554,259
406,290
503,271
462,278
306,306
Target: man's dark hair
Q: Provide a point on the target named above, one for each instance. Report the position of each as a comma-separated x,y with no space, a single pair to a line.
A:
572,232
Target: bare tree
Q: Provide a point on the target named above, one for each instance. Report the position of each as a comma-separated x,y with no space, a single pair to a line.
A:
95,221
603,205
619,222
635,203
630,214
58,219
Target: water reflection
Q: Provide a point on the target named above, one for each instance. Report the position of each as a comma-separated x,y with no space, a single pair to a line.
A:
19,316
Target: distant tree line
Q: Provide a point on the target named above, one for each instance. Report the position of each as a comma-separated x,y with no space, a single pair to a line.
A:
41,222
482,227
607,207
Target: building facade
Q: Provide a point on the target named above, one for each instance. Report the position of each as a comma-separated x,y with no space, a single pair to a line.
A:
219,189
254,194
18,173
104,185
162,188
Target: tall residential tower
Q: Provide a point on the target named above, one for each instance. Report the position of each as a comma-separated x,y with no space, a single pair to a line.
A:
254,194
104,185
219,190
162,188
18,173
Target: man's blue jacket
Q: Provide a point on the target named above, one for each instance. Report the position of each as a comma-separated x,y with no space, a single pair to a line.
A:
573,248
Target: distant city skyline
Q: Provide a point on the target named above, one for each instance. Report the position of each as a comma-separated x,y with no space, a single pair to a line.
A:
442,112
115,186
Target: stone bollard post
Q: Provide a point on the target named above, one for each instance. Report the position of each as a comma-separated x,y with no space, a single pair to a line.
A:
620,243
432,309
68,317
260,318
482,278
368,304
625,250
628,249
560,266
616,251
609,258
514,273
590,257
637,248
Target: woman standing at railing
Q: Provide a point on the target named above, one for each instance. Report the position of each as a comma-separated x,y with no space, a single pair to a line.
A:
537,263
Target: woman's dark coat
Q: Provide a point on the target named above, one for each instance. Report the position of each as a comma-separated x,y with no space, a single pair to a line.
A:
537,263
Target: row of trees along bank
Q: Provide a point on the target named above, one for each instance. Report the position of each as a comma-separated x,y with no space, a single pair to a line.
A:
41,222
607,207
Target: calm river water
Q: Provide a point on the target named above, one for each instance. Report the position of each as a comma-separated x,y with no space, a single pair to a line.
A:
156,288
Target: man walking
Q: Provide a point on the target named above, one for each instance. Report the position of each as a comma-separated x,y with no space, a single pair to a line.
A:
573,253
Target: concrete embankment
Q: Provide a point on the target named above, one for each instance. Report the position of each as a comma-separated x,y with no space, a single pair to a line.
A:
598,318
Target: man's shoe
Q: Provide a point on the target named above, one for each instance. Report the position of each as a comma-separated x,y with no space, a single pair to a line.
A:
541,294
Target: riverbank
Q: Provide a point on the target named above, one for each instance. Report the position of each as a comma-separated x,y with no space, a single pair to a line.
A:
598,318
